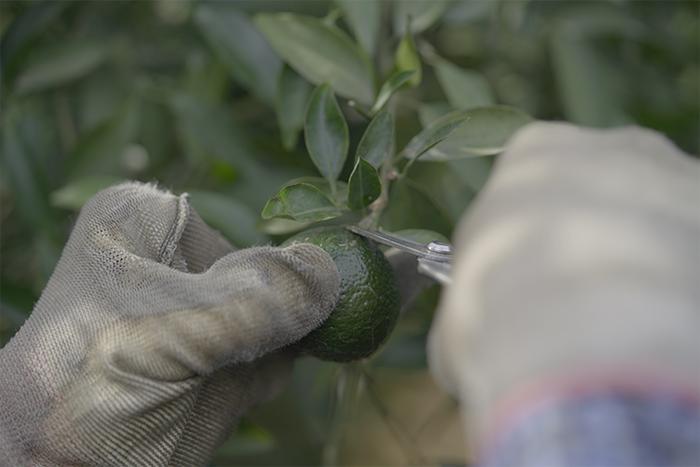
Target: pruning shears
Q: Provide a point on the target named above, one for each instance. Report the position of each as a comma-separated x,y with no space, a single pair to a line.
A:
434,258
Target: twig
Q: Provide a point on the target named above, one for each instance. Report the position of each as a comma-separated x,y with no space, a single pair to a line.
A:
387,175
359,109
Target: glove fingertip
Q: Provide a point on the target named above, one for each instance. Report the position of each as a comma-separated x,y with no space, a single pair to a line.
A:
320,275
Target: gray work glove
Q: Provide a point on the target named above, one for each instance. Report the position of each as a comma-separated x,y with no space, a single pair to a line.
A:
152,337
578,263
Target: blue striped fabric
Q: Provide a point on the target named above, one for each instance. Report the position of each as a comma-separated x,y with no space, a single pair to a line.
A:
611,430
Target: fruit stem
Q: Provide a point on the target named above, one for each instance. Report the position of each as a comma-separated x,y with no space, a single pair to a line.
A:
387,175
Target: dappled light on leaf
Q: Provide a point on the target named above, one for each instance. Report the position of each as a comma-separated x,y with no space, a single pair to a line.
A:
301,202
484,132
321,53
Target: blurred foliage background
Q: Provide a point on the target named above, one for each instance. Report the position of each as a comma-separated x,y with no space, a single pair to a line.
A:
188,94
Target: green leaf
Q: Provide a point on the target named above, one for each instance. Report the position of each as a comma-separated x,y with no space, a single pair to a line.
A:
473,172
301,202
236,221
331,18
364,18
156,122
23,30
281,226
61,64
97,98
326,133
443,184
420,13
292,95
101,149
410,207
339,198
205,77
434,134
21,174
484,132
320,53
431,111
364,185
463,13
377,144
592,88
75,194
241,47
464,89
35,123
390,86
407,58
210,134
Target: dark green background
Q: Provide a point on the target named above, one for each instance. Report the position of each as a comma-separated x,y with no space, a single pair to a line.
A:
96,92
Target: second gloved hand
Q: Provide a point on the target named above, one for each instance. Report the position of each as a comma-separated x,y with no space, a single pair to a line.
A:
576,267
152,337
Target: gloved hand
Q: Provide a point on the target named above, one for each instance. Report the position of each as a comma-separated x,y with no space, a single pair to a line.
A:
152,337
577,266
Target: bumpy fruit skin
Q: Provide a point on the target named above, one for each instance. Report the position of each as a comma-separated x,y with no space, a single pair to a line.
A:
368,306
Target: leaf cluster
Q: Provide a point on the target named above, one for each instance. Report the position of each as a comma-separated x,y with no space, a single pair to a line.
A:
390,113
323,54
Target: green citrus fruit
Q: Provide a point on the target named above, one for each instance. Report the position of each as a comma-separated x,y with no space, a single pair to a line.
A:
368,306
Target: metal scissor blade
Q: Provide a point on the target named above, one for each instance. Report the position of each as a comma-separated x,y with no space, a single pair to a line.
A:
434,251
441,272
